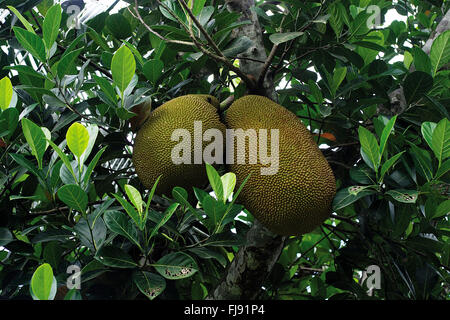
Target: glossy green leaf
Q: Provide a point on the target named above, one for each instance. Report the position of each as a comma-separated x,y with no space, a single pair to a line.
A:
278,38
107,88
441,140
74,197
385,135
440,51
347,196
165,217
416,85
389,163
35,138
130,210
67,62
31,42
443,209
6,93
443,169
123,67
176,265
149,200
9,120
422,61
153,70
64,158
77,137
150,284
119,223
135,197
50,27
422,161
405,196
118,25
215,181
427,130
369,147
338,76
115,257
43,283
22,19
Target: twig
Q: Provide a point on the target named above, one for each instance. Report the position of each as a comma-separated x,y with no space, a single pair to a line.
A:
139,17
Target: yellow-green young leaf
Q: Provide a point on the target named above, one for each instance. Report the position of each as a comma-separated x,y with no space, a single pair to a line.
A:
6,93
440,51
370,151
123,67
228,183
407,59
77,139
50,28
215,181
36,139
48,136
135,197
22,19
43,283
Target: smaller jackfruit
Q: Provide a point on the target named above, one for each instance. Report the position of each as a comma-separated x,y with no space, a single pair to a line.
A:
152,152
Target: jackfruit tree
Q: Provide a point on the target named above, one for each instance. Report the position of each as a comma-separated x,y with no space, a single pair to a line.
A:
119,178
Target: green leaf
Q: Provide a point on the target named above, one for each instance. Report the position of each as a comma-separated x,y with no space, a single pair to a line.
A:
9,119
180,195
405,196
228,183
67,62
315,90
153,70
5,237
64,158
115,257
443,169
6,93
359,26
31,42
135,197
347,196
416,85
440,51
43,283
119,26
149,200
215,181
35,138
107,88
338,76
196,6
119,223
93,133
278,38
50,28
74,197
165,217
385,135
369,147
214,209
176,265
441,140
422,61
238,46
150,284
422,161
123,67
22,19
427,130
388,164
130,210
442,210
77,137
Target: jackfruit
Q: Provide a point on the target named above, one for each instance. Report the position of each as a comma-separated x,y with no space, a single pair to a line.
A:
152,151
297,198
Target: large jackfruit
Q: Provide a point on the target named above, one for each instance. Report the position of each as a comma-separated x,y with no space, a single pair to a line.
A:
153,144
298,197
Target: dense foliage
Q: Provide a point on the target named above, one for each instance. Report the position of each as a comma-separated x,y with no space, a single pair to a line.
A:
68,192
